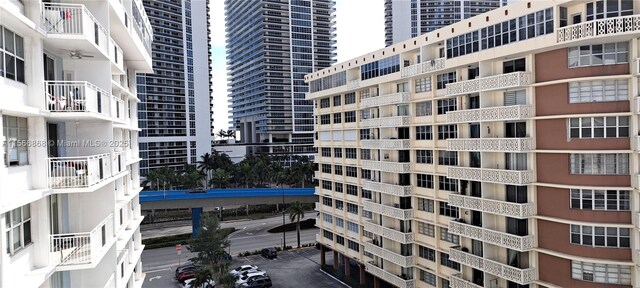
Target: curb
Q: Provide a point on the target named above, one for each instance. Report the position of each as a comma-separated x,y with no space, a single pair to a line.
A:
334,278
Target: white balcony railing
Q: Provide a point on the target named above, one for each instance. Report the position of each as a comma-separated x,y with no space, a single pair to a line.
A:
388,144
520,276
421,68
503,81
76,96
499,176
390,189
388,233
515,242
599,27
490,144
79,172
404,261
509,209
81,248
386,210
501,113
386,166
391,278
74,20
385,99
394,121
456,281
353,84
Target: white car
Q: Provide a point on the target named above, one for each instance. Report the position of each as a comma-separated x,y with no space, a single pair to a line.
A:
236,272
187,284
253,271
245,278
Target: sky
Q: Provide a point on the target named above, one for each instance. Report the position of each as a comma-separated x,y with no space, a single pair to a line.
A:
360,29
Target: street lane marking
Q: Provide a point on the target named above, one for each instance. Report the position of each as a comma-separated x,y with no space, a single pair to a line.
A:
157,270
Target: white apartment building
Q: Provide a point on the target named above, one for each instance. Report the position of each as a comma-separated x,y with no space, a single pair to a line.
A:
69,180
499,151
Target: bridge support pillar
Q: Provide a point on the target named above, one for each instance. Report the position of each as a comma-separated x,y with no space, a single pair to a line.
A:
196,215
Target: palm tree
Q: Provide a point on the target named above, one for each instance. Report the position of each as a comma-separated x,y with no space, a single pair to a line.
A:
222,134
231,134
303,167
203,277
221,177
296,212
206,164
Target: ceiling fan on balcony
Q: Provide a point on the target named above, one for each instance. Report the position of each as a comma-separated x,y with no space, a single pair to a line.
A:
74,54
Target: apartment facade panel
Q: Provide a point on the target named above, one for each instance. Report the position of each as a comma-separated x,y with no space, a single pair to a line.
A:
499,151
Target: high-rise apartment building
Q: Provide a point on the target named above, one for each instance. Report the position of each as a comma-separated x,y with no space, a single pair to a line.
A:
404,19
69,181
271,45
500,151
175,111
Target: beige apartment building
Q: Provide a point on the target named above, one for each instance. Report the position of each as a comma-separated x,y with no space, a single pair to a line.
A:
495,152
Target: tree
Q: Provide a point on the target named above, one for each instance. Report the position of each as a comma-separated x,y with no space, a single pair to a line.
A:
203,277
221,177
231,134
211,247
296,212
163,178
206,164
303,169
222,134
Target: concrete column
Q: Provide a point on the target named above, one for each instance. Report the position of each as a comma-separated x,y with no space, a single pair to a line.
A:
323,261
376,282
336,258
347,268
363,279
196,215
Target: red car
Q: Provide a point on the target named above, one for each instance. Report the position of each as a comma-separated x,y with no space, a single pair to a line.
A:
186,275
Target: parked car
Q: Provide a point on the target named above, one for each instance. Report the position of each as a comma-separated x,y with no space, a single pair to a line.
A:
258,282
245,278
187,284
184,276
239,270
252,271
187,267
269,253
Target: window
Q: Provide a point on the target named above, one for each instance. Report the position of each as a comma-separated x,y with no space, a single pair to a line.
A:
353,227
351,171
326,152
327,184
423,133
599,127
424,156
423,85
354,246
447,131
599,164
613,8
444,260
598,54
337,169
327,201
351,153
325,119
366,194
446,236
598,91
365,174
349,98
423,109
499,34
350,116
337,100
326,168
339,222
337,152
448,184
340,240
515,65
327,218
352,190
325,103
18,228
16,133
427,277
337,118
338,187
403,87
368,215
518,97
449,158
352,208
535,24
365,134
613,200
425,205
12,52
365,154
601,273
426,229
464,44
444,79
427,253
424,181
339,204
613,237
327,234
445,105
447,210
380,68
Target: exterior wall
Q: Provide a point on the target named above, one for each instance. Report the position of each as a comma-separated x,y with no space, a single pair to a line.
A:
556,137
553,65
557,271
555,202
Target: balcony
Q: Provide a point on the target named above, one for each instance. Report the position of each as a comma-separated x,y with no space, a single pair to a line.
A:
388,144
395,235
499,176
501,113
386,99
393,257
79,172
74,99
116,57
353,84
389,277
394,121
490,144
598,28
456,281
387,166
497,82
390,211
65,22
72,249
390,189
421,68
514,242
520,276
117,108
509,209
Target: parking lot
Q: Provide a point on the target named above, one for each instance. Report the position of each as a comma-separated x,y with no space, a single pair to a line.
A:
292,269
